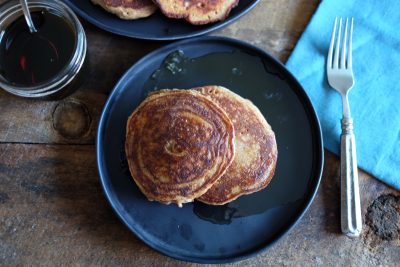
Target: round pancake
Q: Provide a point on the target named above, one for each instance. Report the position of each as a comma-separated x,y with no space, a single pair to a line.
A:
255,149
128,9
178,143
197,11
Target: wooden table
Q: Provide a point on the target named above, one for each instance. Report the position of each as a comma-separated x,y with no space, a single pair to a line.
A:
52,209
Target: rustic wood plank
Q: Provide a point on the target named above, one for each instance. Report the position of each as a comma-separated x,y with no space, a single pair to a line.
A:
52,211
73,120
274,25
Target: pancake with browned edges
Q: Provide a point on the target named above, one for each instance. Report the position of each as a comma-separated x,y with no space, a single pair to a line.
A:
128,9
255,149
197,11
178,143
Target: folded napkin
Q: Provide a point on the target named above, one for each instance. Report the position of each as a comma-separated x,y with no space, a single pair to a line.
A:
375,98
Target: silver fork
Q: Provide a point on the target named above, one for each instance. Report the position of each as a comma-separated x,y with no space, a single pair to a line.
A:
341,78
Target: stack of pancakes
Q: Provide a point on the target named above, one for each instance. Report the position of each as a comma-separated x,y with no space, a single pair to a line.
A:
194,11
206,143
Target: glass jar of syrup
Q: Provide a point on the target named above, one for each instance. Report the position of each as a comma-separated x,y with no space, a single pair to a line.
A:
49,63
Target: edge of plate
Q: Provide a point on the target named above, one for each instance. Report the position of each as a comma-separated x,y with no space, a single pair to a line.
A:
211,28
316,131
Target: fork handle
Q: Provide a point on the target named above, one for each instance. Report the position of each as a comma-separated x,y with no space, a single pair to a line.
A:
351,221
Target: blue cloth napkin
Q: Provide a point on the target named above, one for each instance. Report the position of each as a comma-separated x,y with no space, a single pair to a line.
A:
375,98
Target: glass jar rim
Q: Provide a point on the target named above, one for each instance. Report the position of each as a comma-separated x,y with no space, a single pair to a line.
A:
11,11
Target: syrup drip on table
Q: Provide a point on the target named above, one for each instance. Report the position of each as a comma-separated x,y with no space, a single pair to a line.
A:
32,58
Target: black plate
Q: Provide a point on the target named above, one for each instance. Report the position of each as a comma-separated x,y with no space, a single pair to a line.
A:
215,234
155,27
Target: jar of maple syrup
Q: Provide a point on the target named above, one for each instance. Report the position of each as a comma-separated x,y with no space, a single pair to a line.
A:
49,63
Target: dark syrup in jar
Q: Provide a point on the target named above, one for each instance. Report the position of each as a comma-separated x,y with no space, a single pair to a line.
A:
32,58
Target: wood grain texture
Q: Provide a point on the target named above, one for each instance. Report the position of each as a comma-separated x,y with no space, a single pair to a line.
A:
274,25
52,211
52,208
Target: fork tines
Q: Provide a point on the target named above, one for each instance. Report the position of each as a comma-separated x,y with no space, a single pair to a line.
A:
333,60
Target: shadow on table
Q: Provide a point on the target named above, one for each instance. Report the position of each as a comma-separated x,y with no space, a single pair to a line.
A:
330,193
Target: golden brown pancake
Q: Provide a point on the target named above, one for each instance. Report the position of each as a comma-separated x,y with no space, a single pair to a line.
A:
128,9
197,11
255,149
178,143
